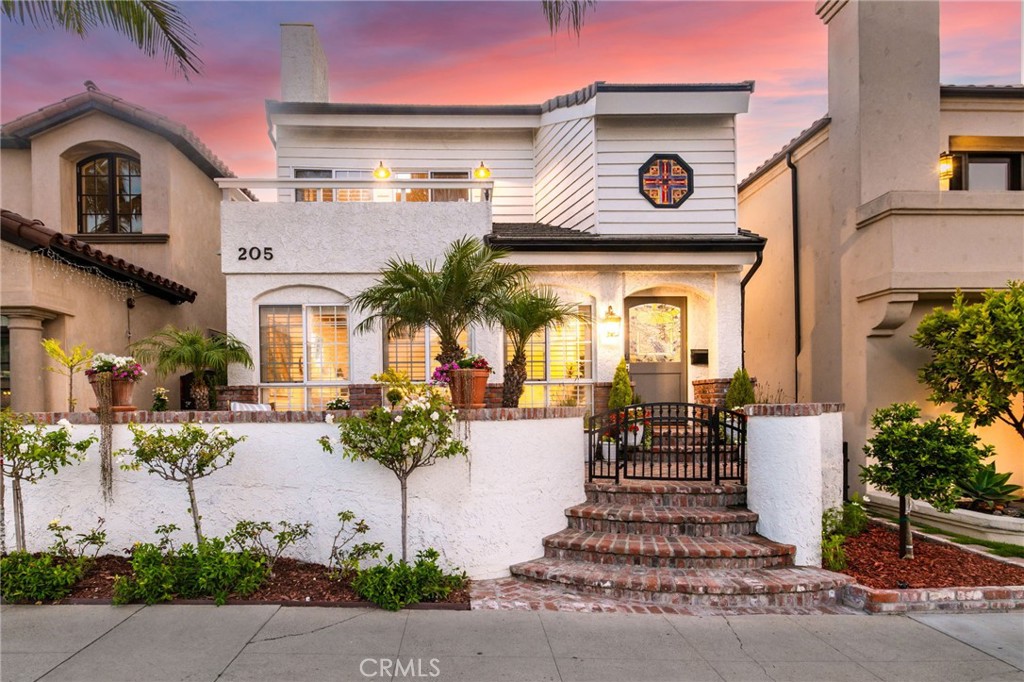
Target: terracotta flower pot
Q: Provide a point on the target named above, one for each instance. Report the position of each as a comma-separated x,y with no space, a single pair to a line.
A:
468,386
120,389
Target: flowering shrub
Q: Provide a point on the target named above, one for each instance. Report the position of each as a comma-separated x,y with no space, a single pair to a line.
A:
441,372
183,456
161,399
30,452
338,403
50,575
123,367
402,440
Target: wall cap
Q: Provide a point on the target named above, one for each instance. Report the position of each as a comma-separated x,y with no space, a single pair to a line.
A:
792,409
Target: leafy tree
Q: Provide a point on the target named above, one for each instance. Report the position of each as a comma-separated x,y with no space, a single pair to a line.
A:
524,314
977,360
404,440
568,13
30,452
621,393
920,460
741,390
175,349
69,364
183,456
471,285
152,25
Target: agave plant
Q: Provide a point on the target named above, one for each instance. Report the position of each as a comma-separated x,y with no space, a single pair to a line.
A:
470,286
173,349
988,487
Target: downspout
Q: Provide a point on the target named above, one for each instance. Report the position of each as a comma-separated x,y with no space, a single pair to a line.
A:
743,305
795,209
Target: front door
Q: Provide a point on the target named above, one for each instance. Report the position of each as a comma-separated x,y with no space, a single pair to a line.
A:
656,347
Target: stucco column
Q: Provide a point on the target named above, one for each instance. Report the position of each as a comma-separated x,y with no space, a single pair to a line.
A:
27,360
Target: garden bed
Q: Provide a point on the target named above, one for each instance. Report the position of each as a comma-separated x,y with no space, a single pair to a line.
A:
873,559
293,583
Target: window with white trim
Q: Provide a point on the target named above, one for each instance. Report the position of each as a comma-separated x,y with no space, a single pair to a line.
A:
304,355
560,364
415,354
384,193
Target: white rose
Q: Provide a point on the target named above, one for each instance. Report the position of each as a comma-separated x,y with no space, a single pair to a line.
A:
398,419
329,418
434,416
63,422
415,441
23,448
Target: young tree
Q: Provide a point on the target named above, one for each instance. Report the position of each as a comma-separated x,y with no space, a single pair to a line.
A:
30,452
404,440
621,394
919,460
175,349
471,285
741,390
69,364
183,456
977,360
153,25
524,314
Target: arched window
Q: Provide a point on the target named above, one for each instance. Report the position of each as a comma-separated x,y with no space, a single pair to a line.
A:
109,195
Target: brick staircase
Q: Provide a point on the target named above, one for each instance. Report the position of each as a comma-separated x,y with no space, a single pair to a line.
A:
674,543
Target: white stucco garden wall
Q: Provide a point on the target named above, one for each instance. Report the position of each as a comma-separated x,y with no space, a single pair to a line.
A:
482,513
794,472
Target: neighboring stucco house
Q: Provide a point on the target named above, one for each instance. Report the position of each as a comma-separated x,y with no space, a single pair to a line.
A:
864,237
622,197
111,230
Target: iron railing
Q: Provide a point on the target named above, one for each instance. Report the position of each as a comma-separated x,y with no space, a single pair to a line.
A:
667,442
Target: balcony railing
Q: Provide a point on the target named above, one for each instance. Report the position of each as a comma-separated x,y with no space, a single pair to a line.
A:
397,190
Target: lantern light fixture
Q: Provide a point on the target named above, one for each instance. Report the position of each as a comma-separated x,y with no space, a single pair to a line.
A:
945,166
611,324
481,172
381,172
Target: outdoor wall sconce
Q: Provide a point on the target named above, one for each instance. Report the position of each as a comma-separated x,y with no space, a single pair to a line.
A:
945,166
481,172
611,324
381,172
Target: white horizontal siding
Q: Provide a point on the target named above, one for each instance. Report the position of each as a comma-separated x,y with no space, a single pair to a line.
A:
706,143
564,188
508,153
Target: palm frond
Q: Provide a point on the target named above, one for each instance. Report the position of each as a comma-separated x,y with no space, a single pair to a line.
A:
527,312
172,349
568,13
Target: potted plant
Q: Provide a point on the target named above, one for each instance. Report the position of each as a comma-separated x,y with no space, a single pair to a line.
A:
122,371
467,380
609,448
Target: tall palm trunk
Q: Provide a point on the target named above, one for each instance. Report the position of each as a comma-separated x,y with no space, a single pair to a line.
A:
515,377
451,351
200,391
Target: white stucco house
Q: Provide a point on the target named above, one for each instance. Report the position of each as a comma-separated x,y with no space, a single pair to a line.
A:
622,197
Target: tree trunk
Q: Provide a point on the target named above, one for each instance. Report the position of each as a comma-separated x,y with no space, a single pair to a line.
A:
200,391
515,377
405,513
196,518
19,515
3,513
71,391
906,536
451,351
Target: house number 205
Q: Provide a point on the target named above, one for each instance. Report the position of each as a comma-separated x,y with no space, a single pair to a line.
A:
255,253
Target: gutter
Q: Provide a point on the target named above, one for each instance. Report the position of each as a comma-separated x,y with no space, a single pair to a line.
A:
795,210
743,305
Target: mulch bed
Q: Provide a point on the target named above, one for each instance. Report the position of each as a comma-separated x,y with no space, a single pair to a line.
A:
874,561
293,581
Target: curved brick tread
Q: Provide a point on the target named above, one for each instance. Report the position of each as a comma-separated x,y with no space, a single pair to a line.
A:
670,487
656,514
646,582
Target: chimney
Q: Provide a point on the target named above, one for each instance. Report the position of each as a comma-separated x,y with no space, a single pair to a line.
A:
303,65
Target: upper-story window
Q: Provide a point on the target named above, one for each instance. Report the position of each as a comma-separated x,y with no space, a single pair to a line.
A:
109,194
987,171
383,192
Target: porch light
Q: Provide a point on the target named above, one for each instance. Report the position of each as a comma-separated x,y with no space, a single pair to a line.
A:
611,324
481,172
381,172
945,166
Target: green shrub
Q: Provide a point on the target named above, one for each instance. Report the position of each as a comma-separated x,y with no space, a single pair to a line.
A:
621,393
39,578
833,556
986,487
161,573
741,390
393,586
251,536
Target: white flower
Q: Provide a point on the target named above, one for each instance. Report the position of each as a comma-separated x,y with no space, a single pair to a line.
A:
329,418
120,461
434,416
55,521
415,441
23,448
398,419
866,498
63,422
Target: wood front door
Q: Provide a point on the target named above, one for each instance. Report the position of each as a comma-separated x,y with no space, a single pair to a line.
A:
656,347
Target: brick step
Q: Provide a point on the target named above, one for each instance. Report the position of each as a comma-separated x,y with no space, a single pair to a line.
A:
641,493
720,588
677,551
692,521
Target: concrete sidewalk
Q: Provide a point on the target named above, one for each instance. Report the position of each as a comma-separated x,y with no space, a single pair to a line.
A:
142,644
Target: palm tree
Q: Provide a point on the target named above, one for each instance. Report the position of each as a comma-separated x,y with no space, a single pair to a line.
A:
471,286
568,13
523,315
174,349
153,25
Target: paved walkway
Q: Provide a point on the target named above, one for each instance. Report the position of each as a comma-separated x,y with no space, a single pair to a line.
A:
144,644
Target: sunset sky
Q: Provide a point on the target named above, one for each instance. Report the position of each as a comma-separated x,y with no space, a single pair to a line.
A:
482,52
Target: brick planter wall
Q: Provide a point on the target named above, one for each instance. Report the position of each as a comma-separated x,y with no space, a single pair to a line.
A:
710,391
934,599
236,394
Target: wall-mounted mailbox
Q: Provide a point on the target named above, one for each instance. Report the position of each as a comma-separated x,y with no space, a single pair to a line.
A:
699,357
